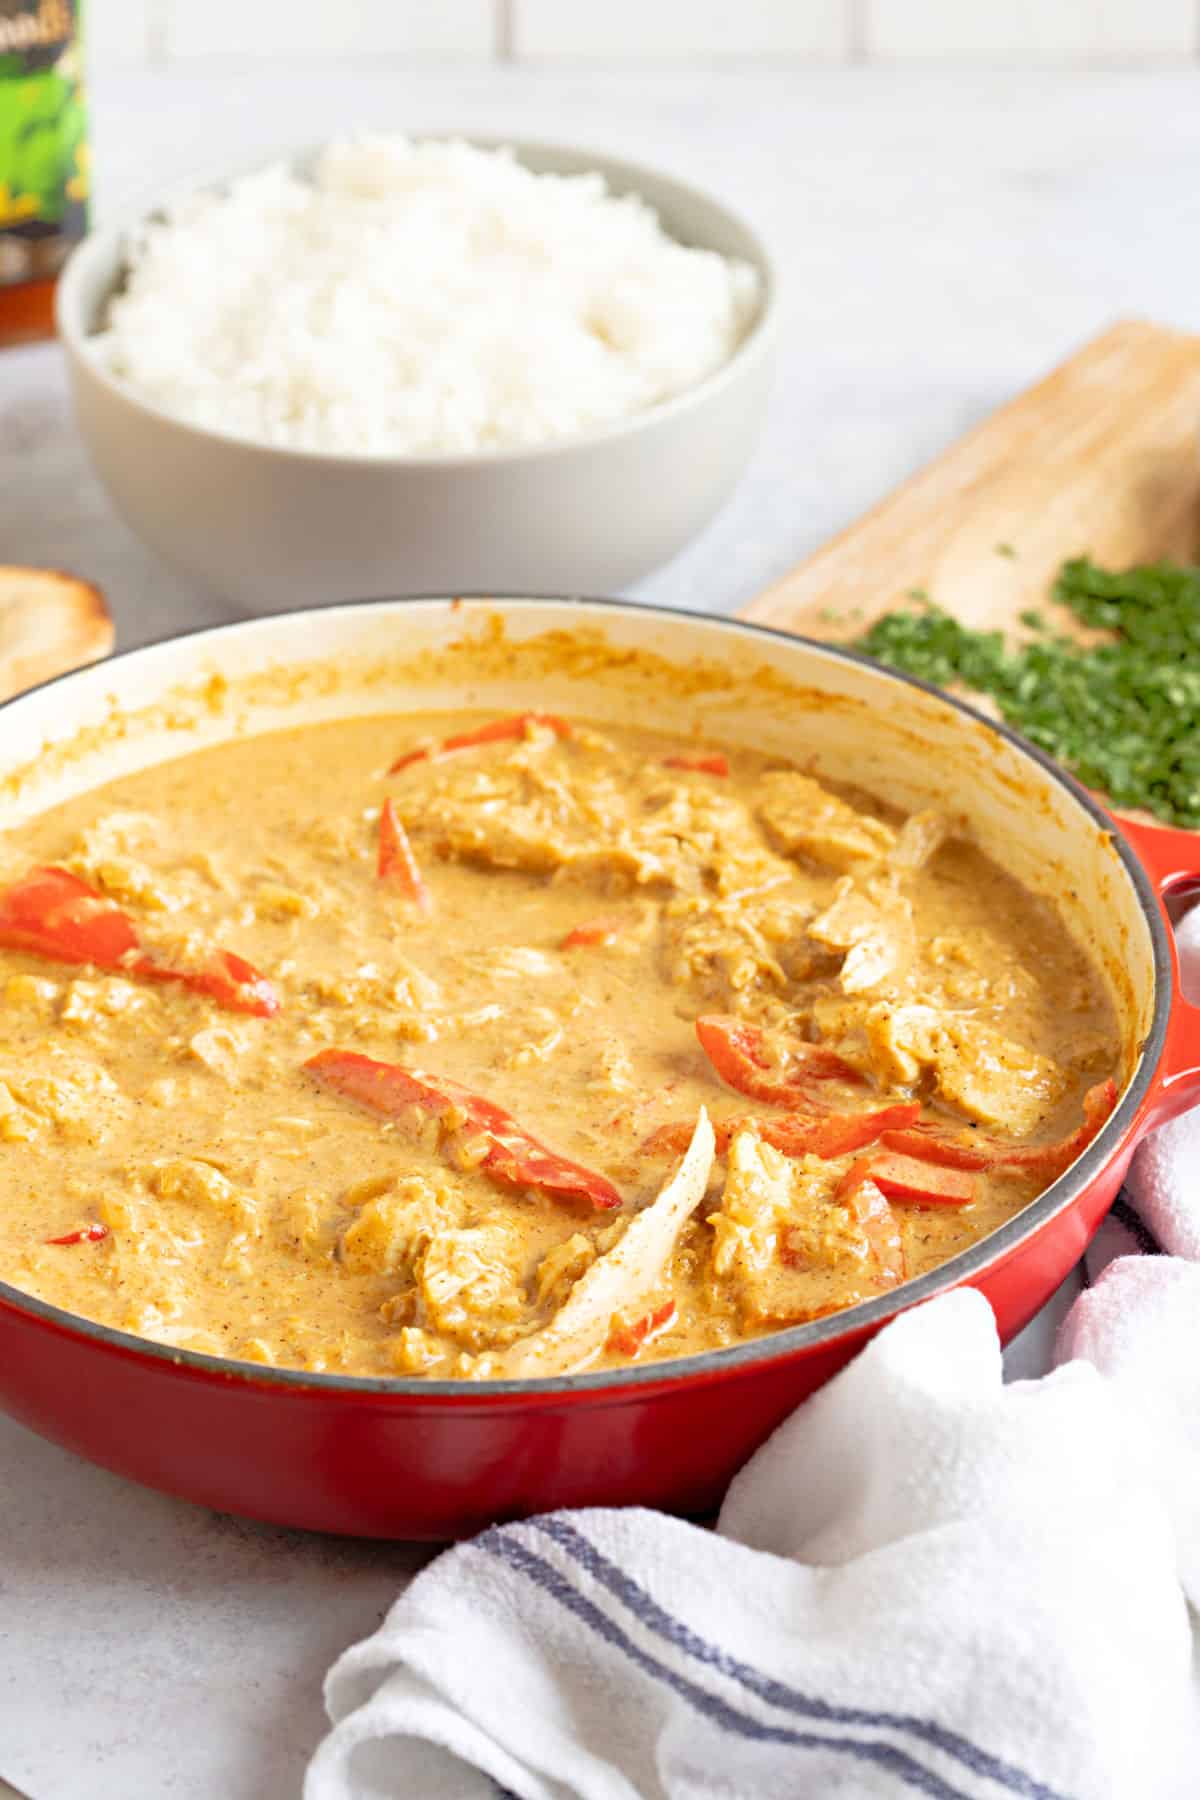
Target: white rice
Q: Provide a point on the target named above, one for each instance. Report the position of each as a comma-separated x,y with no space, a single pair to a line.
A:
417,298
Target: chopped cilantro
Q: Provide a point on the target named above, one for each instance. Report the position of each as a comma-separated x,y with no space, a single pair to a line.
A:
1123,715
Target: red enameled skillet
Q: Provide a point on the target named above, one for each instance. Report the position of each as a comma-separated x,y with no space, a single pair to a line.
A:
436,1459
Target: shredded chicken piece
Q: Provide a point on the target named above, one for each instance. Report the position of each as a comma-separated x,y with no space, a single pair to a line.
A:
396,1222
87,1004
307,1223
801,818
222,1048
273,900
639,828
201,1184
34,992
724,949
404,986
789,1247
508,816
686,837
873,925
468,1284
976,1068
58,1091
757,1201
111,854
561,1267
613,1069
625,1279
415,1352
920,838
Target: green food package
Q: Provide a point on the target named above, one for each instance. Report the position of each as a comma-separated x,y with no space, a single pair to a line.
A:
43,137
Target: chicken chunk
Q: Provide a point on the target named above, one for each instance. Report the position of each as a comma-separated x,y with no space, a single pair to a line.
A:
788,1247
672,834
561,1268
513,816
724,949
394,1226
641,829
975,1068
114,855
801,818
87,1005
469,1286
873,926
224,1048
920,838
202,1185
71,1096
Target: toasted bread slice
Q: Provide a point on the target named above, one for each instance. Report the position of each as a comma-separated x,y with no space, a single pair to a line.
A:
49,623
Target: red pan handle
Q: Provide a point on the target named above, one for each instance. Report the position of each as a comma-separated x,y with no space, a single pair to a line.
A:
1171,859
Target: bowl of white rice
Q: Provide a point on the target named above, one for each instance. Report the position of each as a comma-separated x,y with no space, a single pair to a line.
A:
400,366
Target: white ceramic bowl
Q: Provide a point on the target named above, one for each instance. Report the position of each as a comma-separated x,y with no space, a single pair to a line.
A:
275,527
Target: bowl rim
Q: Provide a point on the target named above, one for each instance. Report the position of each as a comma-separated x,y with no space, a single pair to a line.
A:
756,341
776,1346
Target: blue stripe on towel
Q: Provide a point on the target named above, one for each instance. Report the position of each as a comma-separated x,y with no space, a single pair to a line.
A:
1122,1211
501,1542
766,1687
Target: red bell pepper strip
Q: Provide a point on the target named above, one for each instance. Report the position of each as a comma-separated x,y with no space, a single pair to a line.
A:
1046,1160
904,1178
53,913
828,1135
834,1134
909,1143
627,1340
880,1232
881,1228
737,1052
929,1147
88,1234
515,727
396,859
1050,1160
592,933
226,978
513,1156
702,762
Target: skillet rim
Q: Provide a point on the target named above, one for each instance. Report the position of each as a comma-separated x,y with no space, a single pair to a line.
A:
777,1346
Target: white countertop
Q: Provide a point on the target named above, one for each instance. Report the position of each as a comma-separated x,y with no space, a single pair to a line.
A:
945,236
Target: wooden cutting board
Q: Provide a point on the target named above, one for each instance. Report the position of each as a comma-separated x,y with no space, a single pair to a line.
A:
1102,456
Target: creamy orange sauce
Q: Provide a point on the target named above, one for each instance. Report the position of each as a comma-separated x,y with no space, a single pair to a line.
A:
232,1202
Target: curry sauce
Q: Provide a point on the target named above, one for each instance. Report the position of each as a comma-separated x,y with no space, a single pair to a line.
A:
364,1047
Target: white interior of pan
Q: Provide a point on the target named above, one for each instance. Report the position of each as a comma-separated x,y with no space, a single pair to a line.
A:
847,721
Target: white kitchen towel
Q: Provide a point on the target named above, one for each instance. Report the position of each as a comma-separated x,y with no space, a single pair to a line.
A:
926,1582
1160,1208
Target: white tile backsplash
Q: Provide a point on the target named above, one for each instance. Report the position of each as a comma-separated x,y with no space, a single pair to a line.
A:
123,32
675,28
342,28
119,32
1037,28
